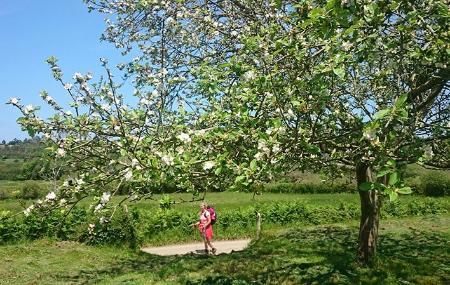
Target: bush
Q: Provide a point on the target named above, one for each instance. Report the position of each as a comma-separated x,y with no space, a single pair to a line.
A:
131,228
306,188
436,184
31,190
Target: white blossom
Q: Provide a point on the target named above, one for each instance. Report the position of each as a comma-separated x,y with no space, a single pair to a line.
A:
128,174
78,77
13,101
370,134
249,75
68,86
262,146
208,165
167,159
106,107
184,137
28,210
62,202
28,109
346,46
234,33
276,148
61,152
98,207
259,156
50,196
105,197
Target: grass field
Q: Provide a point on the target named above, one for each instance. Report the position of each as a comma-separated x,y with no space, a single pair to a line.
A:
223,200
411,251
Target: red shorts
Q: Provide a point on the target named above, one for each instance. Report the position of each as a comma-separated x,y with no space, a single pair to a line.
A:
207,234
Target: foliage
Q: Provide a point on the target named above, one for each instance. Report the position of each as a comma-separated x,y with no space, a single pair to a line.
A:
302,188
412,251
31,190
165,226
436,184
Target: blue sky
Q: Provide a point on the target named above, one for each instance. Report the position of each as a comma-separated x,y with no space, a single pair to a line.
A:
30,32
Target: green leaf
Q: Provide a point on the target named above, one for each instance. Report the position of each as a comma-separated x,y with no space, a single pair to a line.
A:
382,113
254,165
366,186
278,4
401,100
239,179
393,178
383,172
404,190
393,196
218,171
339,72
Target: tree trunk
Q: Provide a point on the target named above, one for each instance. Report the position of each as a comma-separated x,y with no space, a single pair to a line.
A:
370,217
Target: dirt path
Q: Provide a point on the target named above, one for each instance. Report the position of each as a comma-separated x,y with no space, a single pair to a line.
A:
226,246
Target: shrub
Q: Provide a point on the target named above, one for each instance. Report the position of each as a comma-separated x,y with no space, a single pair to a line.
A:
306,188
31,190
436,184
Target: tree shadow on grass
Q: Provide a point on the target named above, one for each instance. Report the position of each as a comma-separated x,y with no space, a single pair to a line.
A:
324,255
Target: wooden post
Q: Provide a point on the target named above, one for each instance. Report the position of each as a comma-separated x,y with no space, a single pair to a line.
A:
258,225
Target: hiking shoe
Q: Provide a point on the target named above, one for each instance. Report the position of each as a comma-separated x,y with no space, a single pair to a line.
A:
214,250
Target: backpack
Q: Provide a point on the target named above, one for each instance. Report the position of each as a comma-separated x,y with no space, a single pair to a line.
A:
213,215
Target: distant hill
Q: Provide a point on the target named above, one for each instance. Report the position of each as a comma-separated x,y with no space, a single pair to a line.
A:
21,150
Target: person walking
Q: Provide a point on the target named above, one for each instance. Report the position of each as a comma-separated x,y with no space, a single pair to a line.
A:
205,227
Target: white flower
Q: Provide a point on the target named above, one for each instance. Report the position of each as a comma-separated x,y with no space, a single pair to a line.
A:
61,152
95,115
48,98
258,156
290,113
28,210
105,197
167,159
208,165
249,75
106,107
28,109
346,46
68,113
200,133
62,202
155,93
129,174
66,184
276,148
91,228
144,101
103,220
68,86
78,77
269,131
184,137
98,207
370,134
50,196
262,146
234,33
13,101
79,181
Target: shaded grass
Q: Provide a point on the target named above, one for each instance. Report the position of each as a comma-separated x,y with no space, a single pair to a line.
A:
411,251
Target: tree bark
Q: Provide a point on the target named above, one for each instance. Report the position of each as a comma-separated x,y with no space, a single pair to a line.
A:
370,217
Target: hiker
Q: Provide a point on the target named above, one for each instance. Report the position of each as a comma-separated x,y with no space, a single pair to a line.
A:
205,227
